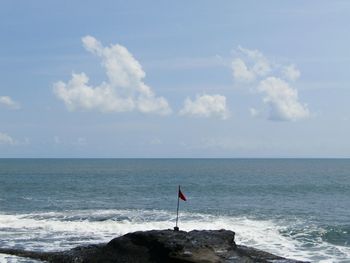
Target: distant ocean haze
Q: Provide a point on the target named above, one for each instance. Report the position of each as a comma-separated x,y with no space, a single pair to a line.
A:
297,208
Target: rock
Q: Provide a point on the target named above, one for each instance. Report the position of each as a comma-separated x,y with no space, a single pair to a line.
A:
160,246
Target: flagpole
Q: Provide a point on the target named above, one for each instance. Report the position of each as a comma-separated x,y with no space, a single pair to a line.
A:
177,210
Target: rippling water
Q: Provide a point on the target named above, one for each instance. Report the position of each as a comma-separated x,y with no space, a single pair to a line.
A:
294,208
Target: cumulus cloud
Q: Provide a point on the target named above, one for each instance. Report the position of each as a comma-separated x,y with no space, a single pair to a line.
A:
124,91
272,81
249,65
283,100
7,139
9,103
206,106
241,72
261,65
291,72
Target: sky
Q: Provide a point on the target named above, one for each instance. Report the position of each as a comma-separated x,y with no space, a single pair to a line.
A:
174,79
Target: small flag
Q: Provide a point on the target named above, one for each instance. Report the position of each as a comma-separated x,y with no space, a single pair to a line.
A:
182,196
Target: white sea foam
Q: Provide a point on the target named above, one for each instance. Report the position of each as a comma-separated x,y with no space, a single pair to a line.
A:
12,259
63,230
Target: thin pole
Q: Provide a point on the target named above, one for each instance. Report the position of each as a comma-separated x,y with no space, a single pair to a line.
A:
178,203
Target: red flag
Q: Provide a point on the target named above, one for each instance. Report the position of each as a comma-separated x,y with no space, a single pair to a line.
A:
182,196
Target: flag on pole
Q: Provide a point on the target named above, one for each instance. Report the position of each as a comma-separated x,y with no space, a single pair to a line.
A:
182,196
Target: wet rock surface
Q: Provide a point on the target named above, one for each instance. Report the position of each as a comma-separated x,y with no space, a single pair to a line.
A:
160,246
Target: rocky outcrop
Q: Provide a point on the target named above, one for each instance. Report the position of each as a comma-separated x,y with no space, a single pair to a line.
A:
160,246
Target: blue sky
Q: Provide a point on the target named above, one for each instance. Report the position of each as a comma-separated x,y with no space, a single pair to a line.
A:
174,79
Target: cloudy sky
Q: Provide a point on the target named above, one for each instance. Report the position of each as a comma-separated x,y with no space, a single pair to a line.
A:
174,78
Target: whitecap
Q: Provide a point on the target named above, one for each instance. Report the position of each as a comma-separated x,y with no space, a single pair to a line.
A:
52,231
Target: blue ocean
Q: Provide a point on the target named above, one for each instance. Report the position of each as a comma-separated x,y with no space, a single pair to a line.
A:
297,208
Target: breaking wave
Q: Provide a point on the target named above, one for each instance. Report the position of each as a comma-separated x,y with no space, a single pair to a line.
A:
63,230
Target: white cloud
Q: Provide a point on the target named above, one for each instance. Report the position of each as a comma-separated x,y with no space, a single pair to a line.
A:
124,90
241,72
206,106
291,72
283,100
271,80
249,65
261,65
9,103
7,139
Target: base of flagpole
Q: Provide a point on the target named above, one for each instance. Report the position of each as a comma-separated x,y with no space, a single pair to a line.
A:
176,228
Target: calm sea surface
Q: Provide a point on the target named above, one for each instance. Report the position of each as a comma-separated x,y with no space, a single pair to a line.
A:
297,208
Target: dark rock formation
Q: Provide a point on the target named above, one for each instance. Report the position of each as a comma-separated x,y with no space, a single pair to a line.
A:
160,246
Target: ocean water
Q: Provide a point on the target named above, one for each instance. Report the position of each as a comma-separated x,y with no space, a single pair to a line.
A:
297,208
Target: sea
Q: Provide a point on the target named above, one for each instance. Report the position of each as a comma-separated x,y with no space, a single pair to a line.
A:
296,208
